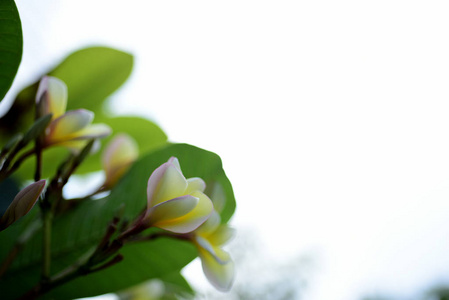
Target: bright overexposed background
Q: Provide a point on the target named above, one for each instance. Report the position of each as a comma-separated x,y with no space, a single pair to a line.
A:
331,118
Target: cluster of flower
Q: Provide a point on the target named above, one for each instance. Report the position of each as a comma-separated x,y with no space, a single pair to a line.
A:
174,203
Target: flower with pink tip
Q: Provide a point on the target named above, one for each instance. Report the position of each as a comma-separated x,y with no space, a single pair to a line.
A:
70,129
175,203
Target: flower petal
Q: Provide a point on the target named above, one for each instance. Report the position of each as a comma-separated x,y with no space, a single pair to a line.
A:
221,276
165,183
93,131
66,125
211,224
194,218
165,212
74,145
219,255
53,92
173,160
195,184
22,203
221,235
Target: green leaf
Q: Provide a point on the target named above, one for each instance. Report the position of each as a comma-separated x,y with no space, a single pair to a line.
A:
142,262
91,75
10,44
78,231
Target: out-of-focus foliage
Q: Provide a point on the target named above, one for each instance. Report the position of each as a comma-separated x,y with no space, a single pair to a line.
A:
10,44
439,292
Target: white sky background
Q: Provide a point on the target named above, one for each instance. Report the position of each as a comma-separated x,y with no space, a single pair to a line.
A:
331,118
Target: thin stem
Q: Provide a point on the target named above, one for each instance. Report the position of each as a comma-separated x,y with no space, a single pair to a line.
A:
46,247
38,151
118,258
38,148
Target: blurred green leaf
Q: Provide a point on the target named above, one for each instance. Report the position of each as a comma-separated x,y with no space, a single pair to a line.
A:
10,44
80,230
91,74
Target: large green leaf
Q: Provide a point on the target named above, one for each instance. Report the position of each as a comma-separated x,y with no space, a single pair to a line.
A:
148,136
142,262
91,75
10,44
77,231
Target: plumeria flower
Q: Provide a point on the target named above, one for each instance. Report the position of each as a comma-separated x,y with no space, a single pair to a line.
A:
175,203
217,263
23,202
70,129
118,157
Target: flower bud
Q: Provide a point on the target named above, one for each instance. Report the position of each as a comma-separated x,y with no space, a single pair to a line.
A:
22,203
118,157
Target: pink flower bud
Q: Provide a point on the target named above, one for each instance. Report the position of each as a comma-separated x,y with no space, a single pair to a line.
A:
22,203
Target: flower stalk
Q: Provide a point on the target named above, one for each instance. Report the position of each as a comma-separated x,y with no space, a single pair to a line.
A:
47,217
